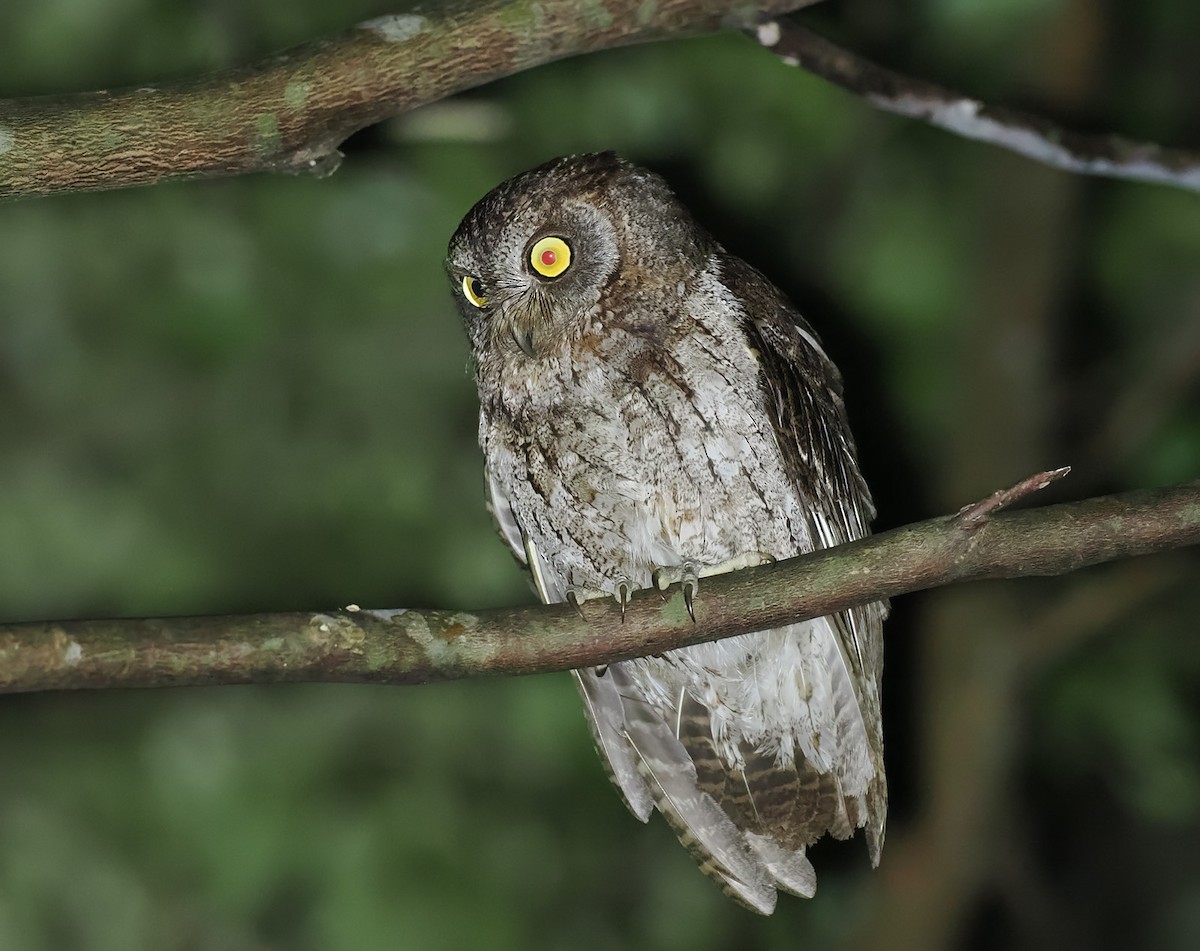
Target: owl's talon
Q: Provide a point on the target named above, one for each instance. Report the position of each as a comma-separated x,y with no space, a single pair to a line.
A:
688,575
577,594
690,582
573,600
624,590
747,559
689,593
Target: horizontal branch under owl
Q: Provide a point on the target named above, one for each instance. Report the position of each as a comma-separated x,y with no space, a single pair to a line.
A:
291,111
409,646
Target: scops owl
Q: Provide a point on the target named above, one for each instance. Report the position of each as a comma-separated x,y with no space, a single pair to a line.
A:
651,403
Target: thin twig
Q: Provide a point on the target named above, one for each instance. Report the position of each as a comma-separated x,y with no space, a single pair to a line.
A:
1034,137
399,646
975,514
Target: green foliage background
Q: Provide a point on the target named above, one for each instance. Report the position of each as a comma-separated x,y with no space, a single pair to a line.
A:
253,394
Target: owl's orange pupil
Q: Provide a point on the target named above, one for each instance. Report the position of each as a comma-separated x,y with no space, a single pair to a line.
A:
549,258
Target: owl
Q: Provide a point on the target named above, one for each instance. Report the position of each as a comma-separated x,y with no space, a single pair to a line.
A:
653,407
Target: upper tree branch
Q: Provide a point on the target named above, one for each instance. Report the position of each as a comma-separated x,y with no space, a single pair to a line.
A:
416,646
291,111
1032,136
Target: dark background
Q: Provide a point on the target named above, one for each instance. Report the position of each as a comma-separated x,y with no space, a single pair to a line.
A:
253,394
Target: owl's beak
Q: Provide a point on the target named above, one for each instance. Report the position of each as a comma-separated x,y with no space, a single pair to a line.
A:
524,339
529,320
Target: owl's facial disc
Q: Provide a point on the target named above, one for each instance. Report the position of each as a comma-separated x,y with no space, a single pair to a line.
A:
549,279
548,259
528,270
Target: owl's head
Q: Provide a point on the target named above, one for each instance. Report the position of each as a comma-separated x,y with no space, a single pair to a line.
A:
543,251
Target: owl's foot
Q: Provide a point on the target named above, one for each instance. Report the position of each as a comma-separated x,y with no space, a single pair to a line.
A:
688,575
576,595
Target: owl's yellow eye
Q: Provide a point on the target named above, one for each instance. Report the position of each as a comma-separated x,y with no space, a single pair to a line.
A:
550,257
473,291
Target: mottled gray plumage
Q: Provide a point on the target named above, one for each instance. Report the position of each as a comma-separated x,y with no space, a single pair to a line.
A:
658,404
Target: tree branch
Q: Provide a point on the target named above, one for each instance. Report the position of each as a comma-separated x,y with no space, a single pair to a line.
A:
410,646
291,111
1032,136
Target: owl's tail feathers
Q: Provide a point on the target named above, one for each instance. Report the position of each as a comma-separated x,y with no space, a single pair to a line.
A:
606,718
790,868
876,822
854,715
651,767
700,823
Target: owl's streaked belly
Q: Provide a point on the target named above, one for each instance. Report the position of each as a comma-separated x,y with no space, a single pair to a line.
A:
616,467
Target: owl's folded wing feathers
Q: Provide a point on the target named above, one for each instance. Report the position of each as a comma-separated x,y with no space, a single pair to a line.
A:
803,392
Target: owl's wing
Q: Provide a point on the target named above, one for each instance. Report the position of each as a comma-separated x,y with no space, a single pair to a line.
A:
606,714
803,393
506,521
522,546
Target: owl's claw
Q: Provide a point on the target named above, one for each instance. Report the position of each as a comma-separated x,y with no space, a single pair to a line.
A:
688,575
624,590
576,595
691,587
689,581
